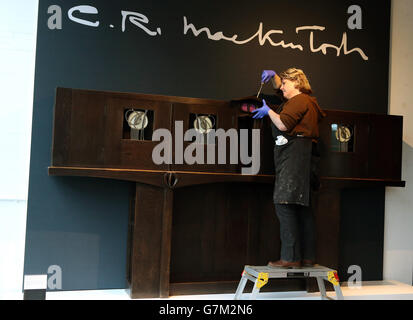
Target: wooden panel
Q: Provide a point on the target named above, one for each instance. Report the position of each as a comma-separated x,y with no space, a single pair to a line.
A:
61,127
131,225
224,118
166,243
138,154
146,264
326,208
209,234
345,164
263,226
217,229
213,287
87,129
327,218
385,147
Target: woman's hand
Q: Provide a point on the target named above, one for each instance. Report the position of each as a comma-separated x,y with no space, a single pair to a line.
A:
261,112
267,75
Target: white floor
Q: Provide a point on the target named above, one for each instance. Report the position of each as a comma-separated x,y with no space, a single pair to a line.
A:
372,290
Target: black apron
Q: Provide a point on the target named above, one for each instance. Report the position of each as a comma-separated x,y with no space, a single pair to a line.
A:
296,168
293,171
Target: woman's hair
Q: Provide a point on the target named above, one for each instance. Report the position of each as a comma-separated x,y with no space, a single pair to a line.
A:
297,76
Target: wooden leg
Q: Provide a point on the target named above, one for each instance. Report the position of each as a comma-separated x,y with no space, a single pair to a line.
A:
327,221
166,243
150,242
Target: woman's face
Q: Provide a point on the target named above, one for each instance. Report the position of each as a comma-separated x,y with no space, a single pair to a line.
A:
288,88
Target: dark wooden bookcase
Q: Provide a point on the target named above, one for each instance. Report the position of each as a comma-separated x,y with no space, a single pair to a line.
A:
192,228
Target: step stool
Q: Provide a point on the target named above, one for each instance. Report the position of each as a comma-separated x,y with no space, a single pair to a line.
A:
260,275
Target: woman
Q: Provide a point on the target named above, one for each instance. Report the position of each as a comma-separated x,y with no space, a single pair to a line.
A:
295,130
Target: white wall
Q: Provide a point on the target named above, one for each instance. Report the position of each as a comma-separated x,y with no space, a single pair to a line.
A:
398,234
18,27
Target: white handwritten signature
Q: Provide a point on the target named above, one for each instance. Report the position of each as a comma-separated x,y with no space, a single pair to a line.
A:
139,19
263,38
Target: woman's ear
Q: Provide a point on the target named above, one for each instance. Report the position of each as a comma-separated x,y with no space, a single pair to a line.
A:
297,85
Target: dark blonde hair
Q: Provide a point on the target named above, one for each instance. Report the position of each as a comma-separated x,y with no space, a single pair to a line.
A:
300,79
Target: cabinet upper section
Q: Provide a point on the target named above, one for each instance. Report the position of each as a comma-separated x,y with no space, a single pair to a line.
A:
116,130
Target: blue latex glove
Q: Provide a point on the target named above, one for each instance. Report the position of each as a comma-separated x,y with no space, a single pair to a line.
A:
261,112
267,75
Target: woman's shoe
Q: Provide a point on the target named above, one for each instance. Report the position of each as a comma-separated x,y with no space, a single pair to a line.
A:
308,263
284,264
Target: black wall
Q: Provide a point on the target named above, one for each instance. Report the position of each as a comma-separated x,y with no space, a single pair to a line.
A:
80,224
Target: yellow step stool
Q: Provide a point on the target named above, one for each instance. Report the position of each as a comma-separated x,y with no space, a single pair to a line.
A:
260,275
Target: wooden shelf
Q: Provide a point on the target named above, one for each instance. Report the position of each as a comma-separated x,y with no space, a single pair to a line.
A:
176,179
337,182
161,178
